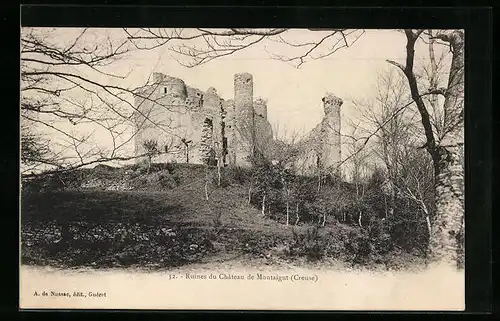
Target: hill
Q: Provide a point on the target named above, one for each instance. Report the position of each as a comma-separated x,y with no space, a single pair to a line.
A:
122,217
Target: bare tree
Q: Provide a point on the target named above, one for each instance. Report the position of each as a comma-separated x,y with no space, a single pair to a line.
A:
72,99
193,47
152,149
284,153
359,169
444,148
397,144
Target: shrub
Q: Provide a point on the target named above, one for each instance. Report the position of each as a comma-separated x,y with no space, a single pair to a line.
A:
257,244
379,234
408,228
308,244
53,182
236,175
168,180
170,167
74,244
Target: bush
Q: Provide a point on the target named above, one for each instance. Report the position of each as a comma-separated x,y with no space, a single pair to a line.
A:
249,242
355,245
308,244
53,182
379,234
76,244
168,180
236,175
408,228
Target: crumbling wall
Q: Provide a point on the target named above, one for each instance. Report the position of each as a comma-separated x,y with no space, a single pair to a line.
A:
171,87
320,150
263,129
194,99
232,129
162,115
310,152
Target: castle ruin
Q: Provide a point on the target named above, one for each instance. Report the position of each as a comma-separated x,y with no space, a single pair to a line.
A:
192,126
320,150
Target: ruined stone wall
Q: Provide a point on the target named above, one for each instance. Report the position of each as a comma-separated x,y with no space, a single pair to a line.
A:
310,153
263,129
176,111
163,115
230,130
320,150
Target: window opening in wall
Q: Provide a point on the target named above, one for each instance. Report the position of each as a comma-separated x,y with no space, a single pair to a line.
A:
165,90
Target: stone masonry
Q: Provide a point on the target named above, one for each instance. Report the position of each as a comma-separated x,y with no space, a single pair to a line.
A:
320,150
201,127
195,126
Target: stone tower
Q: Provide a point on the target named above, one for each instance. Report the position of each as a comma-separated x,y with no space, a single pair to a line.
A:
243,118
330,134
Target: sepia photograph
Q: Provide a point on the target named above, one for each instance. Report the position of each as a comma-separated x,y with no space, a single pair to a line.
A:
242,169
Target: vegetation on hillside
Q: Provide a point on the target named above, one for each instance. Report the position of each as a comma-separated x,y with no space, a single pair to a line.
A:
164,225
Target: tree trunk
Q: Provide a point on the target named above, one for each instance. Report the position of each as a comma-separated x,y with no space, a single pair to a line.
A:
287,213
250,194
264,205
444,239
287,206
218,172
206,190
429,226
385,205
447,232
297,218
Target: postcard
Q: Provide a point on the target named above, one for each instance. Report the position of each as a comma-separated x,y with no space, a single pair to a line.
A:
242,169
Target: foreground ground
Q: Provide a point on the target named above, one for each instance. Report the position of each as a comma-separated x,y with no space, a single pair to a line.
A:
121,218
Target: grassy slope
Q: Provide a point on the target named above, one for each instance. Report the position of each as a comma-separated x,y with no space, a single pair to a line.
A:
185,205
135,221
182,208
